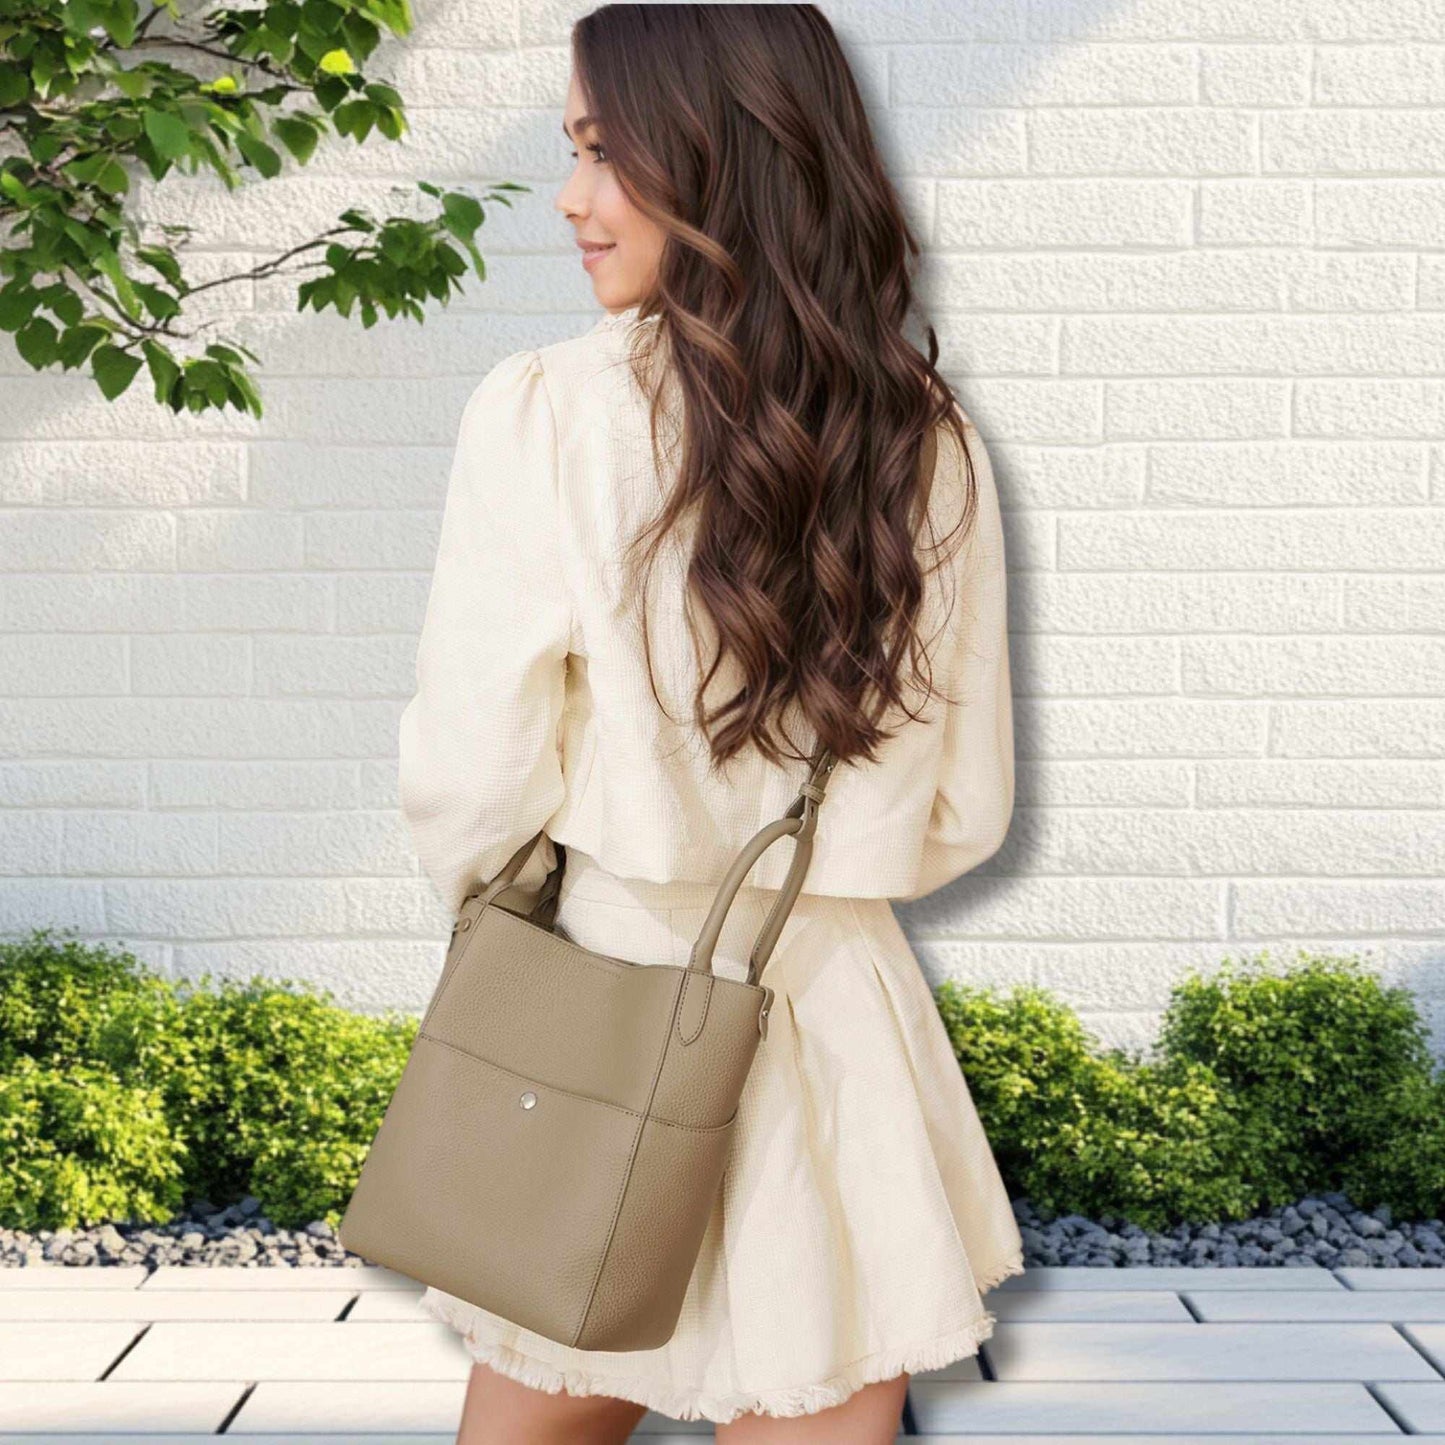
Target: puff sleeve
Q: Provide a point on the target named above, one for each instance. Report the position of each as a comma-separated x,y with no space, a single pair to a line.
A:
480,769
973,801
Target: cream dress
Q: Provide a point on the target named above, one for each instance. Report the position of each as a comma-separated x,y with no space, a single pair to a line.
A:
862,1215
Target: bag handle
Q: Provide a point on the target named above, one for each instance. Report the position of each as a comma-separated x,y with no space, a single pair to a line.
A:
800,822
544,907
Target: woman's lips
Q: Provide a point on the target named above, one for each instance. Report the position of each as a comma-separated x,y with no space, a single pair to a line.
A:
593,254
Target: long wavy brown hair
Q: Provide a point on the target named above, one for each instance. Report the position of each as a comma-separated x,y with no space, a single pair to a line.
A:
780,303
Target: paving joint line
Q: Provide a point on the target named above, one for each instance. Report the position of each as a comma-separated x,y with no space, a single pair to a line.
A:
134,1340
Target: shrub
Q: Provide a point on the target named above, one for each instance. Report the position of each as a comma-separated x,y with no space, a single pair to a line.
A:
58,999
1401,1158
1024,1057
1312,1053
1266,1084
127,1094
78,1146
279,1093
1086,1131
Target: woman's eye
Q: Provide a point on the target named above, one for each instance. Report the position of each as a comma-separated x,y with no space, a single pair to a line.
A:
596,149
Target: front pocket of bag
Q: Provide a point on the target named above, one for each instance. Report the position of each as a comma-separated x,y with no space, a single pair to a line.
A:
671,1192
495,1188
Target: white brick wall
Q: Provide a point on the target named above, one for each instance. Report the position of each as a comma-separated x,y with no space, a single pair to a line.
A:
1183,258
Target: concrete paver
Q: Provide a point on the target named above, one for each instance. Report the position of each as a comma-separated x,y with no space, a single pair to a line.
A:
1418,1406
321,1356
237,1276
1103,1305
292,1408
1278,1307
1171,1276
1430,1340
289,1407
1421,1279
63,1276
76,1405
60,1350
1128,1407
149,1305
288,1350
1341,1352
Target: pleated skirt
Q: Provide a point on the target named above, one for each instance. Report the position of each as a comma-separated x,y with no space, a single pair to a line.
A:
861,1216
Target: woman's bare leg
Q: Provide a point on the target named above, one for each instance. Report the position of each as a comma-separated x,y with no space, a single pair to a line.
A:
502,1411
869,1416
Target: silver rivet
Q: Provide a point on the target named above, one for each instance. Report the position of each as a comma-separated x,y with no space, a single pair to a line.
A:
529,1100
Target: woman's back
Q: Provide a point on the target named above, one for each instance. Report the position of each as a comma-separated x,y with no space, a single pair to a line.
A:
530,634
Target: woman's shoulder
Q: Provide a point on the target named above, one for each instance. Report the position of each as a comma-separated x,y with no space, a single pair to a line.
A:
591,368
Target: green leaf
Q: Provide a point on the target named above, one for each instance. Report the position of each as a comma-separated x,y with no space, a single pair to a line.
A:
394,14
337,62
170,135
114,370
355,118
163,369
78,342
330,91
359,33
14,85
133,84
383,94
18,300
64,303
119,22
462,213
163,261
263,157
100,169
15,188
85,169
108,264
160,304
36,342
211,378
297,136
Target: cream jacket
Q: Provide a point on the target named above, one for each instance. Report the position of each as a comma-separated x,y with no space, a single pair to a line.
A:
533,707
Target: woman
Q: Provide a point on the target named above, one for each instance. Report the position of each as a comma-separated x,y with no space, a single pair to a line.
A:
750,394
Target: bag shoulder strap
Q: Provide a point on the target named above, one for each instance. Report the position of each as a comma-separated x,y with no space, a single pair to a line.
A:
799,822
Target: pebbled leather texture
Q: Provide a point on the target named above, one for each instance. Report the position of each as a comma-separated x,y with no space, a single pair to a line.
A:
556,1141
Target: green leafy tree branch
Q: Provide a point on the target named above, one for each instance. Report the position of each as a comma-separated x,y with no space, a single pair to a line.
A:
91,91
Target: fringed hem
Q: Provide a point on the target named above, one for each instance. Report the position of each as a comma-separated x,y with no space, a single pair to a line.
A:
689,1405
1013,1265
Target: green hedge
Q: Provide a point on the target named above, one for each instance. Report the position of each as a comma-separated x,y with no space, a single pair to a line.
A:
1266,1082
123,1095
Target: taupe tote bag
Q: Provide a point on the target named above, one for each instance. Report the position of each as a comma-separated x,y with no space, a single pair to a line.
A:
556,1141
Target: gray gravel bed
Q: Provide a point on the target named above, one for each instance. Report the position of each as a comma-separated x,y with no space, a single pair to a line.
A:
1319,1230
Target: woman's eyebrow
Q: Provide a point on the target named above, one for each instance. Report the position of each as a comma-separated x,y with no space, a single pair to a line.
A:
583,122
